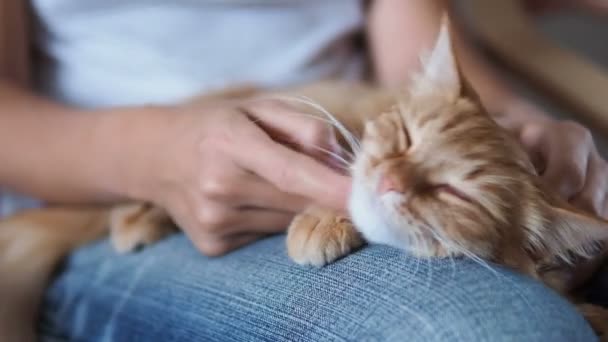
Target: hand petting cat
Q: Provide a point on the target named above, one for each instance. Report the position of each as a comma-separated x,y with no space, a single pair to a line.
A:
564,154
227,176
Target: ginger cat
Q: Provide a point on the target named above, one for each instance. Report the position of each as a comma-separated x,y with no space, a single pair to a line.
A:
433,174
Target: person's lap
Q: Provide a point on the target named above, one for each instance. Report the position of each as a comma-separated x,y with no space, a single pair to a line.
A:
169,292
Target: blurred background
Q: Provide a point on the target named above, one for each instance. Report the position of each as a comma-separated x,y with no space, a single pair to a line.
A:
583,32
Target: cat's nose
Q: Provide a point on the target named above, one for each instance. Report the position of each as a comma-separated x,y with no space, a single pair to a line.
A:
388,183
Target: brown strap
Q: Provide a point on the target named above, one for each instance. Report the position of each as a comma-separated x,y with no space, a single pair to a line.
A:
575,82
14,41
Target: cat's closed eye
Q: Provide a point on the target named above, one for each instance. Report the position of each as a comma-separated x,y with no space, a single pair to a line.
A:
406,136
452,191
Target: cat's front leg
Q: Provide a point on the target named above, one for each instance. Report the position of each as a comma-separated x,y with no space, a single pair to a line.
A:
319,236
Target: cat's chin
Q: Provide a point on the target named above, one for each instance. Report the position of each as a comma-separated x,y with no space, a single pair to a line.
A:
378,224
372,219
366,213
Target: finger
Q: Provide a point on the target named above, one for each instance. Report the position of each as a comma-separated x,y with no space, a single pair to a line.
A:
531,137
239,240
593,193
291,171
298,174
246,189
260,221
604,213
306,131
218,220
257,192
566,171
213,246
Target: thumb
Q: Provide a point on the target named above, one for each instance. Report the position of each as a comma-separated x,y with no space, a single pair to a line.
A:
531,137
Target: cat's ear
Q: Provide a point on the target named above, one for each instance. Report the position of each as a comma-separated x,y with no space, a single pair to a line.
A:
574,230
440,74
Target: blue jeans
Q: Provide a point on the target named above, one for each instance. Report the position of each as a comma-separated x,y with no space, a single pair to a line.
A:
169,292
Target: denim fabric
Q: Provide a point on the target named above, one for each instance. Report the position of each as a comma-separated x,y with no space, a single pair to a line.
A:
169,292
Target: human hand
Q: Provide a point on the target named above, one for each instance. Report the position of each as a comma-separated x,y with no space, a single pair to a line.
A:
566,158
225,175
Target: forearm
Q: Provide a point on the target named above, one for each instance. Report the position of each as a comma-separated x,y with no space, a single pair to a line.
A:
59,153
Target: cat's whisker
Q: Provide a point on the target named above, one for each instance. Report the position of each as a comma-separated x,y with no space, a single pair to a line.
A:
453,264
349,154
443,241
416,244
487,266
476,259
421,244
344,169
451,244
454,245
347,133
430,266
350,138
308,115
334,155
345,164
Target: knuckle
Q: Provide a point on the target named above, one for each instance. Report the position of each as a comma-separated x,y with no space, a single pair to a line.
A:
531,134
212,220
576,132
576,178
215,187
592,200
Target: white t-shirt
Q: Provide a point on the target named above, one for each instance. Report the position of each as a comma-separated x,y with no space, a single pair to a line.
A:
117,52
103,53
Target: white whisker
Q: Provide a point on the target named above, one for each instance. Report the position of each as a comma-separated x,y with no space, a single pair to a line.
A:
346,164
459,248
349,154
350,138
312,116
417,245
334,155
453,264
429,265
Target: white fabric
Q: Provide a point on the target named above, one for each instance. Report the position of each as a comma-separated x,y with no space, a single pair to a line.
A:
102,53
117,52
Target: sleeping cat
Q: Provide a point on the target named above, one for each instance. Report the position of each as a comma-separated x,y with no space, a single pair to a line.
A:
432,173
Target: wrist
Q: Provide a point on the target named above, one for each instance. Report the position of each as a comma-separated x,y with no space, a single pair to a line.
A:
127,143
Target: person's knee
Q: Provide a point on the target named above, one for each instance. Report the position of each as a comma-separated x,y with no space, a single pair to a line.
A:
470,303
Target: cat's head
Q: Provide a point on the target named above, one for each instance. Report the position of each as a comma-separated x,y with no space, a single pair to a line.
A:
437,176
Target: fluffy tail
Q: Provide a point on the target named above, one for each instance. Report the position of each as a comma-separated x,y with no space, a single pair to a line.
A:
32,244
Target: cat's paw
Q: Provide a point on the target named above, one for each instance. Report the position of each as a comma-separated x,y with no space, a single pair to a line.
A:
320,236
135,225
